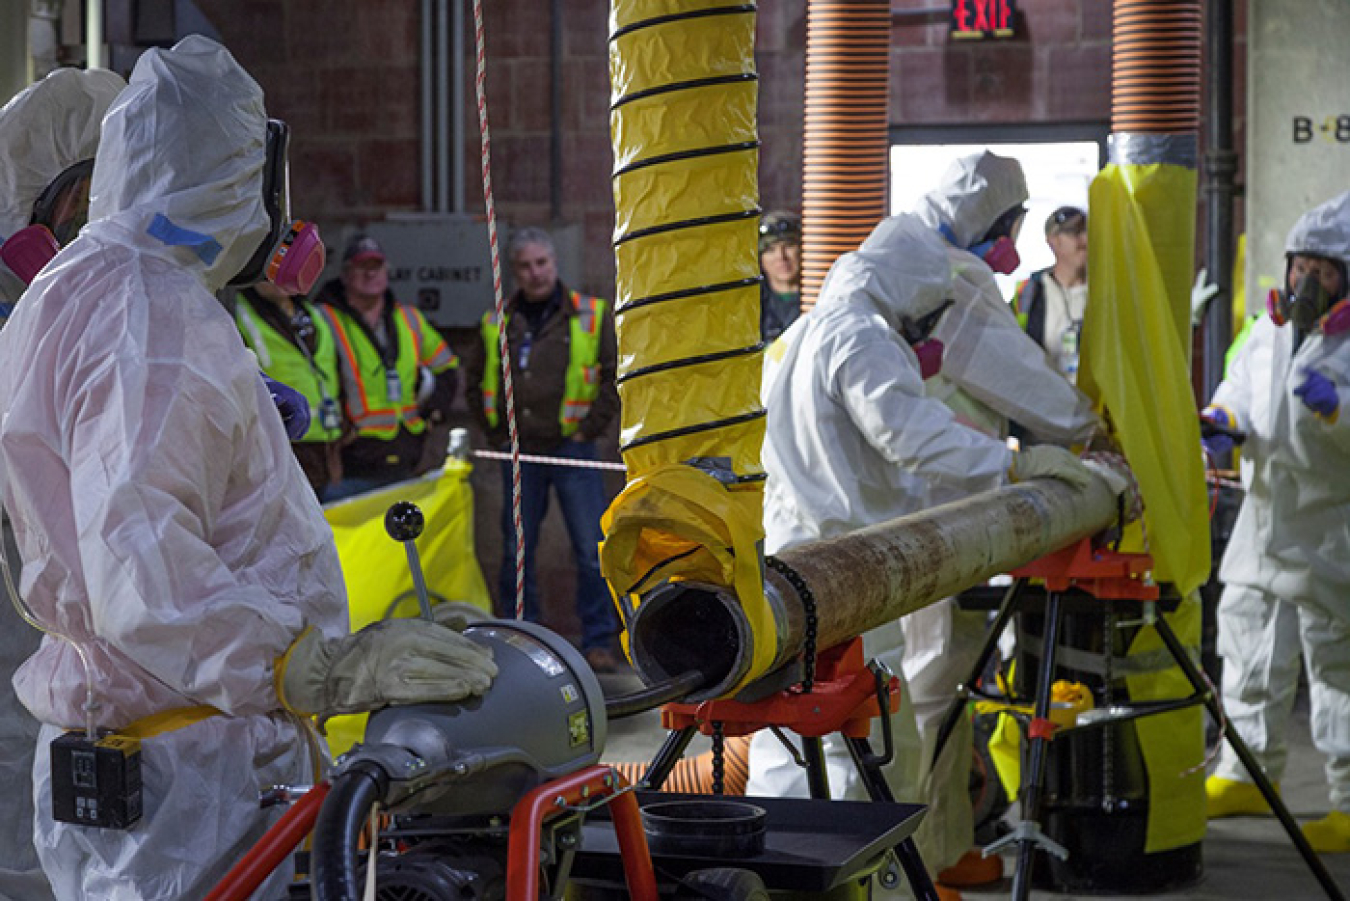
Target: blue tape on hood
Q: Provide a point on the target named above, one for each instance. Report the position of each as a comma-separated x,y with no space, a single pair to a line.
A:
204,246
946,231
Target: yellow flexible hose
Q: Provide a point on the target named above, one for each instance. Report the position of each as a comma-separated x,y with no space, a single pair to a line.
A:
686,153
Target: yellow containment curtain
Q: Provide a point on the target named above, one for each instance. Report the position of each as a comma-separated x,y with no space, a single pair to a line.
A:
1136,365
1136,354
686,155
375,567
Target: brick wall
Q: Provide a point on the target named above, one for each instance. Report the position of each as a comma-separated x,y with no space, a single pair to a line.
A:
344,74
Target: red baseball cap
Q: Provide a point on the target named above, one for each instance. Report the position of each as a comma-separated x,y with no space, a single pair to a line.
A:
361,248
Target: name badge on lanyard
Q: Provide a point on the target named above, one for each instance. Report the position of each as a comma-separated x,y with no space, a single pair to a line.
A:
393,385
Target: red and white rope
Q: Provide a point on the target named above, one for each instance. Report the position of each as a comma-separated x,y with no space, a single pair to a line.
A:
508,389
552,461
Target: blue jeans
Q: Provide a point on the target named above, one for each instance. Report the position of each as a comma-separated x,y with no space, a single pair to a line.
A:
581,494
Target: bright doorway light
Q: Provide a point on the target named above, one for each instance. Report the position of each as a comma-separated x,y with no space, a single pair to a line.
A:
1058,174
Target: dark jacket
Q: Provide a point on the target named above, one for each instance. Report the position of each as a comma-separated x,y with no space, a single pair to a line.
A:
1029,306
402,455
539,385
775,315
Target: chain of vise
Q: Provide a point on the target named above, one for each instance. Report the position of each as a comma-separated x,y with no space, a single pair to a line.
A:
719,747
808,599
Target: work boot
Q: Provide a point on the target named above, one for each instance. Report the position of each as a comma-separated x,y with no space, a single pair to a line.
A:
1329,835
971,870
1231,798
947,894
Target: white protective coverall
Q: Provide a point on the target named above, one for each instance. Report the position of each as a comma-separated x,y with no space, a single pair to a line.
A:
1287,567
163,521
44,129
992,372
852,440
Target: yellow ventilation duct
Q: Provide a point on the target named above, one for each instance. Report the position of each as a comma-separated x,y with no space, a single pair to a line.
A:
683,126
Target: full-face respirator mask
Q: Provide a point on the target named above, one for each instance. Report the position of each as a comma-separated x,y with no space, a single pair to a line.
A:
1309,306
998,247
291,256
59,213
918,335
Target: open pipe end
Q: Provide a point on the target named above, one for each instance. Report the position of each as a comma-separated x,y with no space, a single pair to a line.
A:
684,626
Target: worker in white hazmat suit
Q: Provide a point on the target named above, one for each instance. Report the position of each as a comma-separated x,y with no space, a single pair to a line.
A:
48,135
992,374
1287,567
852,440
165,527
991,371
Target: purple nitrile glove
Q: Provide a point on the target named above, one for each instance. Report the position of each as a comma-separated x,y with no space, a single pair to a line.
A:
1216,443
1318,394
292,406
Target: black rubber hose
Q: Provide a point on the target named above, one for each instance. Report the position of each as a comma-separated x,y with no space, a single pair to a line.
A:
676,688
337,832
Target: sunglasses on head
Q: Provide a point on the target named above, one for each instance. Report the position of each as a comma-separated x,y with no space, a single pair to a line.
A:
782,227
1061,218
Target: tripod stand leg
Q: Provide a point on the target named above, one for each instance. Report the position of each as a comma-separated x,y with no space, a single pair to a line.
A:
1249,761
1006,608
672,749
877,789
1033,783
817,778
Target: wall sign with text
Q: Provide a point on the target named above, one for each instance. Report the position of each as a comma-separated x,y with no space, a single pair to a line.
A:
980,19
1334,129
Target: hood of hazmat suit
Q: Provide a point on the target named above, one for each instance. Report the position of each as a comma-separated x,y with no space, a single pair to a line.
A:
1323,231
851,438
164,523
973,193
992,372
44,130
1291,537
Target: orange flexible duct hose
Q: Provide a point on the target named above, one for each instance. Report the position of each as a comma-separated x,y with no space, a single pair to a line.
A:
1155,67
695,776
846,138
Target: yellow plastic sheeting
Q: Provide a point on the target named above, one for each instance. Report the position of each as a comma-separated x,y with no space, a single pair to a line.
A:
646,329
685,189
375,567
1136,356
679,51
711,116
1136,365
1173,744
678,523
686,260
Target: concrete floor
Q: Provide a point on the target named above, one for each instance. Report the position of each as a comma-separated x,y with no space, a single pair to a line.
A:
1244,858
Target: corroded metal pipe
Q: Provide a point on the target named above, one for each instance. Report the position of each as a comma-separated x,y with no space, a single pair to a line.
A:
865,579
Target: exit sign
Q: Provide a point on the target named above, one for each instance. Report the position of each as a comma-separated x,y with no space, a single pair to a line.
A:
974,20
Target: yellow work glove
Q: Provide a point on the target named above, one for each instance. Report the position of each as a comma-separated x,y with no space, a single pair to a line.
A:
1045,461
394,661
